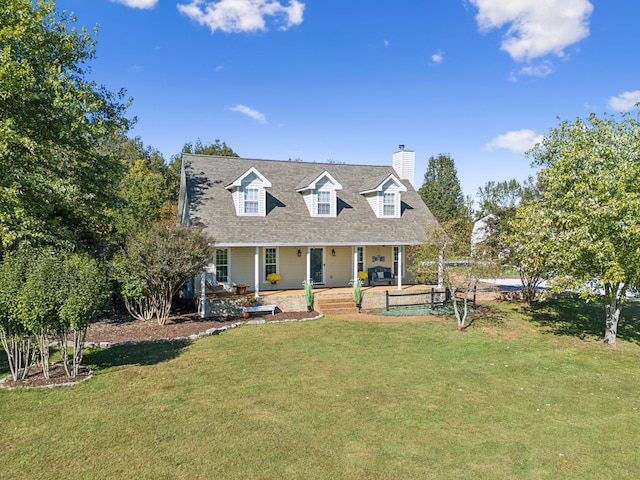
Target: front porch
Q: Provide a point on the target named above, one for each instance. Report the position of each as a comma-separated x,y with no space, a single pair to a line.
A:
293,300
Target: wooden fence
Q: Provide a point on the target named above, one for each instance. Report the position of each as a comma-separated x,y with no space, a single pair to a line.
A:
431,297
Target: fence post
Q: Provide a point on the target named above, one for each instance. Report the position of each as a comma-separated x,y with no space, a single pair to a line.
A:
474,296
432,297
386,292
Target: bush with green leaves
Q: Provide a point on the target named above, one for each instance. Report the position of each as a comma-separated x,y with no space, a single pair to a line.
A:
44,293
155,263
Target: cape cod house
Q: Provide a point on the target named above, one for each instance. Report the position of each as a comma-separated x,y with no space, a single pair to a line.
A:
320,221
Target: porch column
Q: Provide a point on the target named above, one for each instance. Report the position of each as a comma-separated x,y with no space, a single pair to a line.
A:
203,294
308,261
355,264
256,275
400,249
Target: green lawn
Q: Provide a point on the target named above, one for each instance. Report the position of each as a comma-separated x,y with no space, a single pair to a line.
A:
514,397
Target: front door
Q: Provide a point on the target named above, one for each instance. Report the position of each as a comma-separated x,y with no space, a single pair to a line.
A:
317,265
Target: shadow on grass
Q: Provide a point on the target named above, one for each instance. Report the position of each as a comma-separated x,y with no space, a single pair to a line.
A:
575,317
4,365
142,354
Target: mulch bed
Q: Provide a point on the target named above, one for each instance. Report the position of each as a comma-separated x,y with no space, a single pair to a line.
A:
57,377
117,326
122,328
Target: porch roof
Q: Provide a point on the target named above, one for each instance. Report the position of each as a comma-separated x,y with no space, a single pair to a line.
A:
287,221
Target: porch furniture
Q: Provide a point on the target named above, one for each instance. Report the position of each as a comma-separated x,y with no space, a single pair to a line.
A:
380,276
210,288
260,308
240,289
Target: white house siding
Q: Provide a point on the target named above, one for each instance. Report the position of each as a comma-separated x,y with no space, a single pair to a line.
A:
372,200
339,269
308,200
241,265
291,267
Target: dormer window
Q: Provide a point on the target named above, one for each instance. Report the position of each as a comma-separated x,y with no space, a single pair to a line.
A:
384,197
249,194
320,195
251,201
324,203
389,204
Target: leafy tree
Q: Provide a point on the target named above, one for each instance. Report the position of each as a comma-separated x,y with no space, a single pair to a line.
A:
496,197
155,263
44,293
525,241
216,148
145,190
83,288
54,182
14,334
441,190
590,196
465,265
498,204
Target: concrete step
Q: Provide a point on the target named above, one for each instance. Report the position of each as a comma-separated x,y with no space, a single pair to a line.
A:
336,306
340,311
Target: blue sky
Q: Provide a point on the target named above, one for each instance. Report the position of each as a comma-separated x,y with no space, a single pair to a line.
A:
349,81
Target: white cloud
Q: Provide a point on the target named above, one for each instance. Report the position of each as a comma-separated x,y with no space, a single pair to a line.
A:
517,141
437,57
137,3
234,16
249,112
386,43
541,70
536,27
625,101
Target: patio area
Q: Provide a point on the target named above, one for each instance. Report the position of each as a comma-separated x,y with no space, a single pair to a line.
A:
342,291
294,300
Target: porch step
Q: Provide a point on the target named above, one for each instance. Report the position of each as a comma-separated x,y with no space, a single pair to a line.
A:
336,306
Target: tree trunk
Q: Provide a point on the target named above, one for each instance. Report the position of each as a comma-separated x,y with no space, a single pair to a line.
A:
19,354
461,317
63,338
611,328
614,295
529,287
78,349
43,346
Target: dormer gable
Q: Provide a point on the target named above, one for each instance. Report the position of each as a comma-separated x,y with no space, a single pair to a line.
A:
385,197
320,195
249,193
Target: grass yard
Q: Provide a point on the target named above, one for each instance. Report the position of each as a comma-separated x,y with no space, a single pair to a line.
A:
520,395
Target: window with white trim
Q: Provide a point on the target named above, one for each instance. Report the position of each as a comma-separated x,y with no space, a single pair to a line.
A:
251,201
222,265
389,204
270,261
360,254
324,203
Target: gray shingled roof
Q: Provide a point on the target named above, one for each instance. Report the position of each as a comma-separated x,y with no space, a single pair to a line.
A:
288,221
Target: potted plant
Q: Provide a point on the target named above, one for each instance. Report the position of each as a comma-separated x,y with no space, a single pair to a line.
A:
274,278
308,293
357,292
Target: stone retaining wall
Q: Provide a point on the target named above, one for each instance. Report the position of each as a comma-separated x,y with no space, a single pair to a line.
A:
232,307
